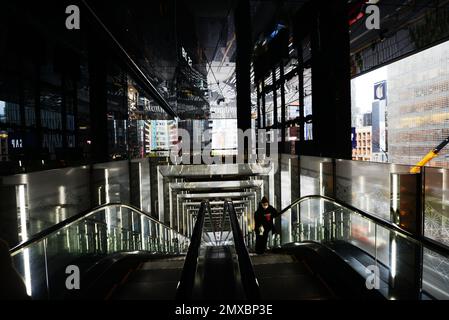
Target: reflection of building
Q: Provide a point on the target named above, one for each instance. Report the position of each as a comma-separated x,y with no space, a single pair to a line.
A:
418,100
378,131
363,150
191,90
159,136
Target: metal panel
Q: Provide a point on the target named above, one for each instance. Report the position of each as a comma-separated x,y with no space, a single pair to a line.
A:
51,196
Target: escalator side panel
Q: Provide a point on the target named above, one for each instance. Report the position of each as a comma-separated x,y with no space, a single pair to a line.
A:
341,277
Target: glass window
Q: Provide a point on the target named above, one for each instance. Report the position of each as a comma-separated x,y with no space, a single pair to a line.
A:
308,126
405,106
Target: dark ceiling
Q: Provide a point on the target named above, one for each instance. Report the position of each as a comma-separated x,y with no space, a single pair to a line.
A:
154,33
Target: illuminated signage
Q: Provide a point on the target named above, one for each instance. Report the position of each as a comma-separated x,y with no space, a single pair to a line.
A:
16,143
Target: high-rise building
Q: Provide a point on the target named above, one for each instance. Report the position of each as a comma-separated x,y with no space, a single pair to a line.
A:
378,131
367,119
159,136
363,149
418,100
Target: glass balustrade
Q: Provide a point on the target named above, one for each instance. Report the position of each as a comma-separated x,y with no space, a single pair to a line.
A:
81,243
406,267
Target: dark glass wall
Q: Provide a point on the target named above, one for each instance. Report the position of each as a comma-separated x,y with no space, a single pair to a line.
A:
66,96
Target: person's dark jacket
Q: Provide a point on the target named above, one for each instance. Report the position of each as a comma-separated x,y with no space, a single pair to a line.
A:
264,217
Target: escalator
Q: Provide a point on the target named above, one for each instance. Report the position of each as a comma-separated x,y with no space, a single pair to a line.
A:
280,275
208,271
216,267
335,251
122,253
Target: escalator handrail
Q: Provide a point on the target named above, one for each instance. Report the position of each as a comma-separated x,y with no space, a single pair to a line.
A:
433,245
212,225
187,280
78,217
248,276
223,217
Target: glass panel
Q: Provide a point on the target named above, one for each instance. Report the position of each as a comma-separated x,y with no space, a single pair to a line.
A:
279,104
84,242
436,205
291,93
435,275
366,185
365,245
30,263
316,176
269,101
43,199
291,99
308,134
89,238
112,181
269,110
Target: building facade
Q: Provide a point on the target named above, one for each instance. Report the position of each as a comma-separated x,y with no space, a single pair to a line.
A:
418,107
363,150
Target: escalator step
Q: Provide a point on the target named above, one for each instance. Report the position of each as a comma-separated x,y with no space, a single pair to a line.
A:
155,280
282,277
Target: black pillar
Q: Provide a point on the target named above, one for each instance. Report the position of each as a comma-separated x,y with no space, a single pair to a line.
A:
281,83
98,102
300,71
64,92
326,24
406,280
275,99
259,122
242,20
264,116
331,100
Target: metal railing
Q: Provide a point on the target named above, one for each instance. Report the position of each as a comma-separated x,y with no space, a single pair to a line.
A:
187,281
